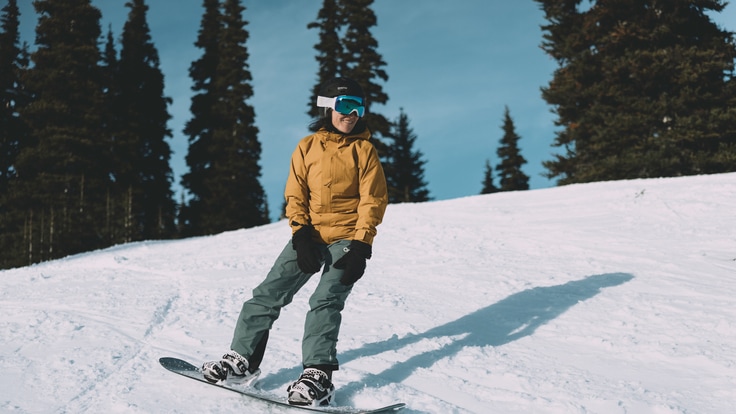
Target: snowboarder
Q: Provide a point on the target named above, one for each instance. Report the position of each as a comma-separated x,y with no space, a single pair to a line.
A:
335,198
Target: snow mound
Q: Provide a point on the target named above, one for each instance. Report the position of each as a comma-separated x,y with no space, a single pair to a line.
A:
614,297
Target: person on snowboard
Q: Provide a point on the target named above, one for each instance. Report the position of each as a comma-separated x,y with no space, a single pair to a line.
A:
335,198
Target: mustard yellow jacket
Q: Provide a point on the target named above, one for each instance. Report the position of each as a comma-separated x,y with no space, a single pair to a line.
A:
336,183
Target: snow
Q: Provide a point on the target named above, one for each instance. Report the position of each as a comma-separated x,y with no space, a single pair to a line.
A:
614,297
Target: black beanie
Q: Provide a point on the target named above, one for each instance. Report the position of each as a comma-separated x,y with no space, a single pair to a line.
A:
341,86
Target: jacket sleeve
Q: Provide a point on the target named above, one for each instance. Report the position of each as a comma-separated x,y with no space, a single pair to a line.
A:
296,192
373,196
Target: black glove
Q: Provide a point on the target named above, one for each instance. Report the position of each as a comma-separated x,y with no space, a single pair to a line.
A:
308,256
354,262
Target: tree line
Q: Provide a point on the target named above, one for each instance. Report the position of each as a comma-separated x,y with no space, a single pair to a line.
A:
642,89
84,157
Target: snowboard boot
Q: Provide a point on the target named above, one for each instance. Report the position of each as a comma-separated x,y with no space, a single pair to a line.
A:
232,368
312,388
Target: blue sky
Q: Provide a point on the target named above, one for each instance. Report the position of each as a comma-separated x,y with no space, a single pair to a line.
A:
452,66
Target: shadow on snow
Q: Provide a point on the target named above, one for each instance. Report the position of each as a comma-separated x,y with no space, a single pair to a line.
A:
508,320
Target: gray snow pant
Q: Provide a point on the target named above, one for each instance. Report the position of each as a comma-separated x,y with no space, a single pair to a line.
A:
322,325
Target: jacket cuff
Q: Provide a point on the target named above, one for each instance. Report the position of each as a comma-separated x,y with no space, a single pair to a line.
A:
296,225
364,235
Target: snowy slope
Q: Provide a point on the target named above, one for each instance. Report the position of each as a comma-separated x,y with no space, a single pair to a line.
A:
615,297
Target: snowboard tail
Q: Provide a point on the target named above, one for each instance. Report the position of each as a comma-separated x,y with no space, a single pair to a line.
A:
186,369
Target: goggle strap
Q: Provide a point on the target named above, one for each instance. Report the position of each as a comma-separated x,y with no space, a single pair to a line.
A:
324,102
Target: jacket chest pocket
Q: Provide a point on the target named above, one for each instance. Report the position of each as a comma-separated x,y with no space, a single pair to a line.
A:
344,174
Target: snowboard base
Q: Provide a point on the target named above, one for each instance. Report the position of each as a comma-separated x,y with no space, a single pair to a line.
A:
186,369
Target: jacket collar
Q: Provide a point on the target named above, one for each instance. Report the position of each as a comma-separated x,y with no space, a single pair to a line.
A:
325,135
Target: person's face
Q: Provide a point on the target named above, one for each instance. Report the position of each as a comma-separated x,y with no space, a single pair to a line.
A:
344,123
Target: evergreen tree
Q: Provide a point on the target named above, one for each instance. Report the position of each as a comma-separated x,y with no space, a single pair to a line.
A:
141,152
112,122
64,169
488,186
228,171
361,61
200,127
11,127
116,215
406,184
329,49
347,48
511,176
644,89
241,200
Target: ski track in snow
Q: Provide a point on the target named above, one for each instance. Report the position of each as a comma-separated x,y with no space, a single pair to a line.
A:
613,297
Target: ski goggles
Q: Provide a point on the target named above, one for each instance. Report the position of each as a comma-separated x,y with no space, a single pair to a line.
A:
344,104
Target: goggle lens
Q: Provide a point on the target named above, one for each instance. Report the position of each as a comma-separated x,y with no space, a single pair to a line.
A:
346,105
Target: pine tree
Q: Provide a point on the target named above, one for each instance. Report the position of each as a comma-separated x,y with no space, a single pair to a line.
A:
141,151
488,186
361,61
200,127
64,168
511,176
12,130
226,171
240,200
406,184
347,48
111,85
11,127
116,214
329,49
644,89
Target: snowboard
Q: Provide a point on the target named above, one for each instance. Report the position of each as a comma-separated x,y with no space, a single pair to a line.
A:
186,369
